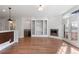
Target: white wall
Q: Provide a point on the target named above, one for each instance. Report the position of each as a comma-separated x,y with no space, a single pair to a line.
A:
56,23
23,23
3,24
18,26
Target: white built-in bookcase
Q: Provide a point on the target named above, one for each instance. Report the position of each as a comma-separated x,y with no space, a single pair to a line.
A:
39,28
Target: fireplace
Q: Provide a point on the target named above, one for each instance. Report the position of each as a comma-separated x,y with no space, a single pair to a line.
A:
54,32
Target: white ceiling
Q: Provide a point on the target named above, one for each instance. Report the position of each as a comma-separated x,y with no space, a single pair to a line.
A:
32,10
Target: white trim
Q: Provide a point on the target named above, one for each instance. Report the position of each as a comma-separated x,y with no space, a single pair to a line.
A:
5,45
56,37
7,31
35,28
39,36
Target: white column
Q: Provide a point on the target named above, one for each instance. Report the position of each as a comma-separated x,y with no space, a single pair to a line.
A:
78,34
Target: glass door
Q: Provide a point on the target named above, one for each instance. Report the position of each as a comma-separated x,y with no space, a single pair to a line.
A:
71,29
74,30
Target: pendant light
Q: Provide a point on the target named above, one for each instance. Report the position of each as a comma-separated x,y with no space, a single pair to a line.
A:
40,8
9,20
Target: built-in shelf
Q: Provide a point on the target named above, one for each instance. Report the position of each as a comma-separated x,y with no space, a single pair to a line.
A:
39,28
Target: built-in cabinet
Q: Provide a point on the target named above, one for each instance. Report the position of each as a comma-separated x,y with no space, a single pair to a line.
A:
39,28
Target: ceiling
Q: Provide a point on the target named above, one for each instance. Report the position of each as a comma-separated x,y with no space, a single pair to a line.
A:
32,10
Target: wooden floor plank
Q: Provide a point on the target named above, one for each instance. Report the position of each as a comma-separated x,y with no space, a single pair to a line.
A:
39,46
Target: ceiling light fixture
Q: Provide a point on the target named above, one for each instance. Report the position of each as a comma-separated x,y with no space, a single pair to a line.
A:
10,20
40,8
3,10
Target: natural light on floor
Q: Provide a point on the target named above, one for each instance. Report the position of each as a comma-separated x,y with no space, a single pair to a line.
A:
66,49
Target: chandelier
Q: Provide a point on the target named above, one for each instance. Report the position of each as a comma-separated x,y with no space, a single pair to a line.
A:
41,7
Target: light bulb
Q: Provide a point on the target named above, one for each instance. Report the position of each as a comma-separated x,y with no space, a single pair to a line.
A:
10,22
3,10
40,9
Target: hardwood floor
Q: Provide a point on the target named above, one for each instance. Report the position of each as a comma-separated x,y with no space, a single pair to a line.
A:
40,46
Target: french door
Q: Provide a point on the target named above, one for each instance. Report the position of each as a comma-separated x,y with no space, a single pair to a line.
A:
71,29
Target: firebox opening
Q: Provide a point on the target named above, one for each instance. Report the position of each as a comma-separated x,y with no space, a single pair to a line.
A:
54,32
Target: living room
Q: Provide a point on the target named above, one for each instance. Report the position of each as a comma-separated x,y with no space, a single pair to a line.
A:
39,29
39,22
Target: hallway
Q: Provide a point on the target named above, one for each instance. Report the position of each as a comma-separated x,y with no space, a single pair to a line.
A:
40,46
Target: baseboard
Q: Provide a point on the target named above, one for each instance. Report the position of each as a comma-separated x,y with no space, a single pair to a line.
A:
56,37
39,36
